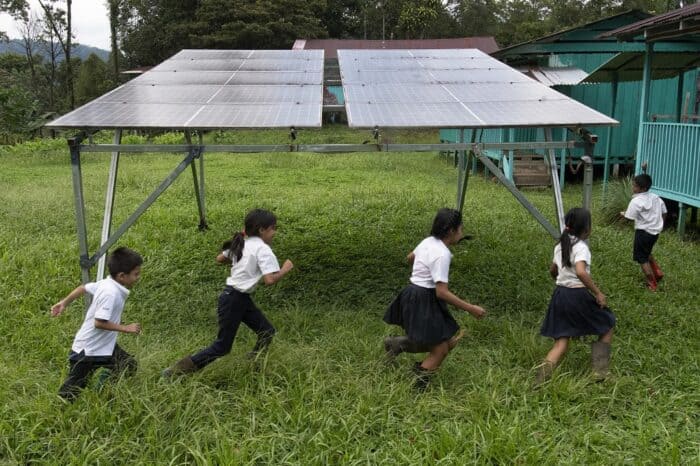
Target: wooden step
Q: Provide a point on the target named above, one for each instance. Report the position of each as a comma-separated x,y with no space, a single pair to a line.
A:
530,170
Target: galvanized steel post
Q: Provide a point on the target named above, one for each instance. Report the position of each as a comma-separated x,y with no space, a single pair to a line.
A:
109,203
587,181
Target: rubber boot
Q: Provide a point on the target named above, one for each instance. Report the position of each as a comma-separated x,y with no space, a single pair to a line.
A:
652,285
182,367
393,346
423,377
600,360
261,346
543,374
658,273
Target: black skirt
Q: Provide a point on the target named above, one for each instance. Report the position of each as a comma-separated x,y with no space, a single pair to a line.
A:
574,312
423,316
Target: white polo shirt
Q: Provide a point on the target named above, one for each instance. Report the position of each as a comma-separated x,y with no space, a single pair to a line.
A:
257,260
108,298
431,263
647,209
566,276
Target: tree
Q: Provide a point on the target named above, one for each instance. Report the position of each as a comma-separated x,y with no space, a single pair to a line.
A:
18,9
343,18
153,30
92,79
263,24
17,104
59,21
420,18
113,8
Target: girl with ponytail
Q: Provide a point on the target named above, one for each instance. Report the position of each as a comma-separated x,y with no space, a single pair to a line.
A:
251,260
421,307
577,306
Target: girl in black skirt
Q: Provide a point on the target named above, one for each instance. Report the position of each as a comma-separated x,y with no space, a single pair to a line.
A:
421,307
577,306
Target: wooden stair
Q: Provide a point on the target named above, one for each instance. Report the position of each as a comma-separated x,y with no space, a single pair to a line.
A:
531,170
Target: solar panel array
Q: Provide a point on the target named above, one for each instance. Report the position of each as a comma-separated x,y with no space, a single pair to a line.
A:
460,88
214,89
226,89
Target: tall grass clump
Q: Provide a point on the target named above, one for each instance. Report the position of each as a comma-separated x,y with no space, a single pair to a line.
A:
322,394
615,199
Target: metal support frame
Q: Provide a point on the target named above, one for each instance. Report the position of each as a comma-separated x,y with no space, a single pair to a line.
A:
108,240
552,162
109,203
587,182
470,150
463,171
196,152
516,193
74,146
644,105
608,145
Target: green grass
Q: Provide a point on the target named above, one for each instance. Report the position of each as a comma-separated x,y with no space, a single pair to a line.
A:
322,395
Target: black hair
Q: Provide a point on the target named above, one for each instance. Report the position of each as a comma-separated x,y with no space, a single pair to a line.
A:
445,220
256,220
643,181
123,260
578,222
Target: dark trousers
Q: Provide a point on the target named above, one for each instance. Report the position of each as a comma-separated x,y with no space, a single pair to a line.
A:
235,307
82,367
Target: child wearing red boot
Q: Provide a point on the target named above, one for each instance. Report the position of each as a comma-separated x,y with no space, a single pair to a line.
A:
648,212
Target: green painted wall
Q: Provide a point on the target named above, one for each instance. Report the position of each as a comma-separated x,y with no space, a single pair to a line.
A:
663,99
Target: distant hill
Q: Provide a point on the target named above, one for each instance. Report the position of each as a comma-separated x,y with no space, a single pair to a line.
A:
81,51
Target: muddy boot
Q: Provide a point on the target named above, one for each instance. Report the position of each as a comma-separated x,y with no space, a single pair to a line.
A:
543,374
600,360
423,377
182,367
393,346
658,273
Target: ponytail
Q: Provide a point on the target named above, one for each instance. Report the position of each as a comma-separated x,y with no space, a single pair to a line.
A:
235,246
255,220
565,242
578,222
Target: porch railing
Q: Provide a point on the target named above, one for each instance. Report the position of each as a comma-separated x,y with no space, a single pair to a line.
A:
672,154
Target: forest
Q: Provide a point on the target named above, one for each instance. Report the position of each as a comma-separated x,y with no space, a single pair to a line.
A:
48,79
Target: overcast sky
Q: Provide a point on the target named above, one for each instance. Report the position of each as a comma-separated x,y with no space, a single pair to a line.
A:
90,22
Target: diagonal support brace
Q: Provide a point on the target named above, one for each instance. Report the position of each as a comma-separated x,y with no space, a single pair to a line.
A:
516,193
141,209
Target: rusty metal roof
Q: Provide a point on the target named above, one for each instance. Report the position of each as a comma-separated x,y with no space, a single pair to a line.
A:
486,44
662,25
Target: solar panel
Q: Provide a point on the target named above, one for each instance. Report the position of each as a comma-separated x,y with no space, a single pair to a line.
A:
208,89
462,88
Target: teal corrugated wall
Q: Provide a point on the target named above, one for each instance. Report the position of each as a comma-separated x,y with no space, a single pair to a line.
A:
599,96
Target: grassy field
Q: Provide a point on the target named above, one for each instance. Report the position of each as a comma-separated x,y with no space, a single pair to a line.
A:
322,396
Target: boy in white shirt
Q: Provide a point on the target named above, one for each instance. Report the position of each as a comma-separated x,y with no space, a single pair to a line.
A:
648,212
95,344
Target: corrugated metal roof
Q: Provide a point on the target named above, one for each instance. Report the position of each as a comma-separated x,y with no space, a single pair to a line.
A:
557,36
486,44
665,19
628,66
564,76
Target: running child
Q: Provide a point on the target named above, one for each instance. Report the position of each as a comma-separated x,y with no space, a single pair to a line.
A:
649,213
252,259
421,308
577,306
95,344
